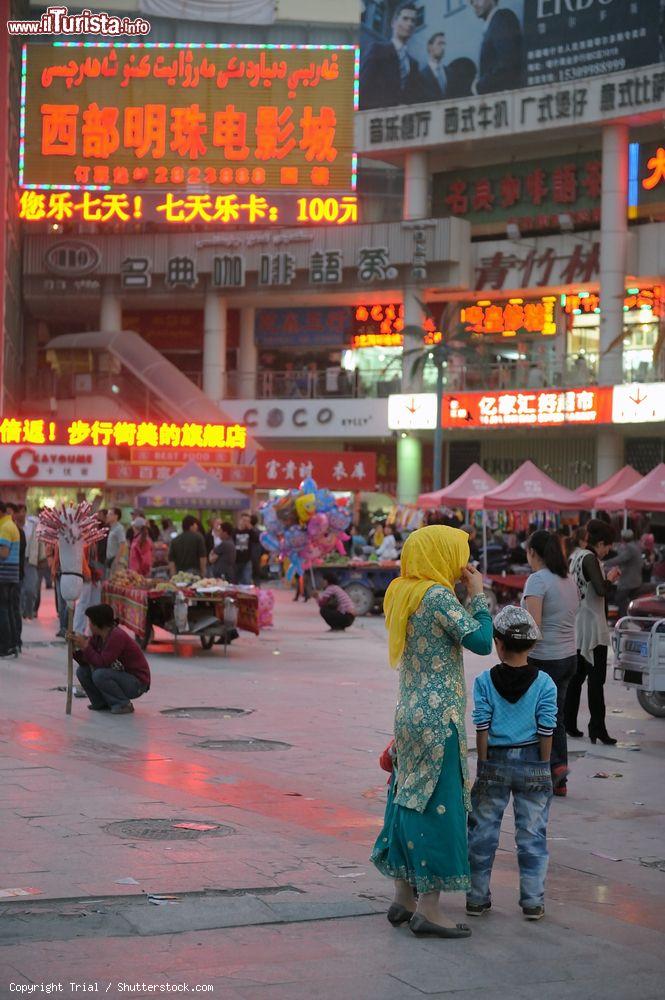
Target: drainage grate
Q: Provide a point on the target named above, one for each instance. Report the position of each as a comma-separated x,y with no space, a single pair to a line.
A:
243,746
167,829
206,712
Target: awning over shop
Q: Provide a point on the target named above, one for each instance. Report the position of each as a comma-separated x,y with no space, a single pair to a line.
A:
647,494
622,480
193,488
529,488
475,482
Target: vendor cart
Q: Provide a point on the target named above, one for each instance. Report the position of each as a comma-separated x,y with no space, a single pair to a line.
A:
365,582
639,650
211,616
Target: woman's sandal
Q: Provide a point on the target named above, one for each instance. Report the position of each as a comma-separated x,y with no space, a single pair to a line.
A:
398,914
422,927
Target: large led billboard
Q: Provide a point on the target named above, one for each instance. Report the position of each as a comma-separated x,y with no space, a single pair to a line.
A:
199,117
433,50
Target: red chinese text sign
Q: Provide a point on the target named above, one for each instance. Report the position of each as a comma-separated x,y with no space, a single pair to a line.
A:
333,470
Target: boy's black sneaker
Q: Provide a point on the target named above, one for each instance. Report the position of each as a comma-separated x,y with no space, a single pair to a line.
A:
477,909
533,912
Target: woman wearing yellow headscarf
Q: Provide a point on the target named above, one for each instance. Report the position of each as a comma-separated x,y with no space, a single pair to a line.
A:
423,845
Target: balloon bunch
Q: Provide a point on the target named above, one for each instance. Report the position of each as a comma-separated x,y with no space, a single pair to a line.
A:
304,526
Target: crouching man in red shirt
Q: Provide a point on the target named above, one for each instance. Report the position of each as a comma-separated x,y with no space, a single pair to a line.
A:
112,668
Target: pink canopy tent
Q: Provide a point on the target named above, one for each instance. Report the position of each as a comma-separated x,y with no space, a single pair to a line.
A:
529,488
646,494
472,483
620,481
581,490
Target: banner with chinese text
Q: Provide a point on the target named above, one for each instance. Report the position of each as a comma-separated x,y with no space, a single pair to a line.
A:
532,193
528,408
333,470
204,117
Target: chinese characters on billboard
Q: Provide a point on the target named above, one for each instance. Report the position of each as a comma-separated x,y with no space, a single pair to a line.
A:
435,50
333,470
532,193
38,431
546,408
183,134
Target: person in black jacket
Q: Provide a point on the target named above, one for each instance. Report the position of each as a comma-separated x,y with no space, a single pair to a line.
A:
440,82
500,62
389,75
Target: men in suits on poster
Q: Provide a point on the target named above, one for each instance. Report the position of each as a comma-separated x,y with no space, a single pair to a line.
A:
389,75
439,81
500,61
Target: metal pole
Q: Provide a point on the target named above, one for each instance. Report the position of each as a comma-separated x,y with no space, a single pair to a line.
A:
70,659
625,518
438,431
485,541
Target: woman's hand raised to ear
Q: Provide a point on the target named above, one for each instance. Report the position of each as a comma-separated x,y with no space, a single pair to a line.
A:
472,580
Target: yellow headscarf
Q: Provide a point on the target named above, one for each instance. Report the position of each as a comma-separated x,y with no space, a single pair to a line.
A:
431,556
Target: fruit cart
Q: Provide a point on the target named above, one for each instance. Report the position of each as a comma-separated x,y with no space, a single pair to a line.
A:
209,610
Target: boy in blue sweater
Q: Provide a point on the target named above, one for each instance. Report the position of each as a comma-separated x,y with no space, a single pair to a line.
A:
515,715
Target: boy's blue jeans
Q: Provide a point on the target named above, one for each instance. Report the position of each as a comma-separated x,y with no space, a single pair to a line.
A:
518,770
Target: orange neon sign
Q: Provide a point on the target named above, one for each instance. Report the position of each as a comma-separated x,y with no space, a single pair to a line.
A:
382,325
127,113
16,430
588,302
507,318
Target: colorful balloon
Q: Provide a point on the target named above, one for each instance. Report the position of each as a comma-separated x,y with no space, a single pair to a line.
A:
305,507
318,525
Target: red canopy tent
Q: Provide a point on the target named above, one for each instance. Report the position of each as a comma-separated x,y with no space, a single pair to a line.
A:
646,494
620,481
472,483
529,488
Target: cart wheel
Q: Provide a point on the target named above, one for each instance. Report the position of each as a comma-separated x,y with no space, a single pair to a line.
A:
362,597
491,600
147,638
207,641
652,702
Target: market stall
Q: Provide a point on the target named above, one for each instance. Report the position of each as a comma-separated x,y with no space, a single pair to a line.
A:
622,480
647,494
192,488
209,610
475,482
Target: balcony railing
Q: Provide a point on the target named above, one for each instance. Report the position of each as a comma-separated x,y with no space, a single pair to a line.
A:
459,375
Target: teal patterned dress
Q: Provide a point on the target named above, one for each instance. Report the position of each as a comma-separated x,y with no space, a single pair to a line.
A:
423,840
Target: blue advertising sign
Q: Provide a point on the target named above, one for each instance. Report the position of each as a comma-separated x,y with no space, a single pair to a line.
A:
326,326
433,50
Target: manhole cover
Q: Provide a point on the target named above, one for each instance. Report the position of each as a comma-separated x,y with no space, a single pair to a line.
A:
243,746
206,712
167,829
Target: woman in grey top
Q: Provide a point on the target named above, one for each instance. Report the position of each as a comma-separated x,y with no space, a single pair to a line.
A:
551,597
593,635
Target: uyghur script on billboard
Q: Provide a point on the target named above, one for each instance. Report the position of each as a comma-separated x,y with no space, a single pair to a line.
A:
205,117
433,50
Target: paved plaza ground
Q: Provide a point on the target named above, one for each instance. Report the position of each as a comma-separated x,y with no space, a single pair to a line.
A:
278,900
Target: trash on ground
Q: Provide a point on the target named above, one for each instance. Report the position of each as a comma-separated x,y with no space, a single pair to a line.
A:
628,746
6,893
125,881
201,827
161,900
351,875
638,803
658,863
294,795
607,857
617,711
634,732
605,774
